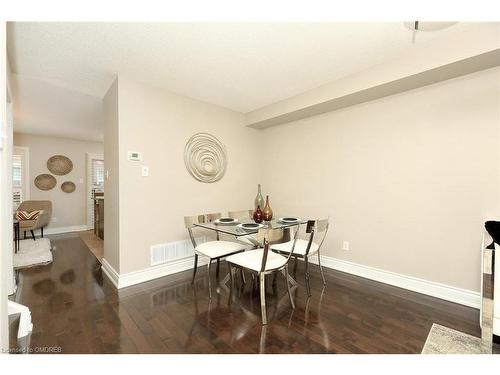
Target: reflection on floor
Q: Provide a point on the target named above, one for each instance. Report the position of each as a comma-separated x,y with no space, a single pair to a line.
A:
94,243
76,309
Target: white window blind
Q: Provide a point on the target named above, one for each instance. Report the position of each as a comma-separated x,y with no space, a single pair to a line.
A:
97,173
17,179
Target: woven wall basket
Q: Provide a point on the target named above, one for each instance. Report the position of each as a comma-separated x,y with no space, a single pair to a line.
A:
68,187
59,165
45,181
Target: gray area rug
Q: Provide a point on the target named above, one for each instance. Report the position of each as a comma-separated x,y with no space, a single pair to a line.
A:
443,340
33,253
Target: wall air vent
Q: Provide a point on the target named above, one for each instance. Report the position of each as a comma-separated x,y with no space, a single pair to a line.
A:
173,251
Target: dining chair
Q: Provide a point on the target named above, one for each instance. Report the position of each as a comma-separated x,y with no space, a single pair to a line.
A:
241,215
263,262
213,250
304,249
244,216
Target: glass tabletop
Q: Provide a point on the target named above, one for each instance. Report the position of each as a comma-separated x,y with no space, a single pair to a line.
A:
235,230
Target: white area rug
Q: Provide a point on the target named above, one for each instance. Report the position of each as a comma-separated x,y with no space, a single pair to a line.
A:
444,340
33,253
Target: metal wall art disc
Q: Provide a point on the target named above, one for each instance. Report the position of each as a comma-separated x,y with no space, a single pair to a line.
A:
45,181
205,157
59,165
68,187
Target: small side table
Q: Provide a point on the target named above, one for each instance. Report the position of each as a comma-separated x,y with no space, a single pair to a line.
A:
17,235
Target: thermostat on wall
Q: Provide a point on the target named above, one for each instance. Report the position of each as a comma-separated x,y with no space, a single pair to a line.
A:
134,156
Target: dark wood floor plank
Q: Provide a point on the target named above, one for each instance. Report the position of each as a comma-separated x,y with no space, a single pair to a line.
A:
76,308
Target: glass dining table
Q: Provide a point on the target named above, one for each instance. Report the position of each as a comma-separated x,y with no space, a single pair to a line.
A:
237,231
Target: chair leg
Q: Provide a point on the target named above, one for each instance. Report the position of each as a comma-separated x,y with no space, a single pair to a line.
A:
41,230
262,279
217,269
24,234
288,288
243,276
295,262
195,267
231,281
33,235
209,283
308,287
321,269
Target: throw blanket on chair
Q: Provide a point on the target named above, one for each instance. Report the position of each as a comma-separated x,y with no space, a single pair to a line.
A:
25,215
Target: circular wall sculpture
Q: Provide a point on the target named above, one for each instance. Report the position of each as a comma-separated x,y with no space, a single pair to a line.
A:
68,187
59,165
205,157
45,181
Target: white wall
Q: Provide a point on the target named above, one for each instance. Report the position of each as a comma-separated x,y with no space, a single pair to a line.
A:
111,185
408,179
4,232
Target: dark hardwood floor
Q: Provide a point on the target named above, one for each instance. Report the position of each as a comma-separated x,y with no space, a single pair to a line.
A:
76,308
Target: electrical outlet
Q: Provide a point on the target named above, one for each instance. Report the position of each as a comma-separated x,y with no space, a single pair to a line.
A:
145,171
54,219
345,245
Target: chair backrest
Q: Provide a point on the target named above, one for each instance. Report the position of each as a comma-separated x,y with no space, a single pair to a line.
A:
269,236
33,205
190,221
240,215
315,228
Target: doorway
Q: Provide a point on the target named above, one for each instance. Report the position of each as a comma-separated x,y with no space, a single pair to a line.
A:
95,183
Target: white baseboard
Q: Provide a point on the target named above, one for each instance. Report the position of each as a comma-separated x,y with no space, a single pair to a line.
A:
430,288
74,228
110,272
151,273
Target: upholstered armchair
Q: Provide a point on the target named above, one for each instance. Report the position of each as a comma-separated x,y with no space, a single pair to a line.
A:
40,222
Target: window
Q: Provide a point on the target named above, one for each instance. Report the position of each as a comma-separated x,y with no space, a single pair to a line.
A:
18,180
97,173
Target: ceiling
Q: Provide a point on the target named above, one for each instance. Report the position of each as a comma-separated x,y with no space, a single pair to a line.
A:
240,66
43,108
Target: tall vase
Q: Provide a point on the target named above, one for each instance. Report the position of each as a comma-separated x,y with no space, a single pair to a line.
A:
259,200
258,215
267,213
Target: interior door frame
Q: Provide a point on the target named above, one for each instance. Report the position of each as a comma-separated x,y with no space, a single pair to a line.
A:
90,156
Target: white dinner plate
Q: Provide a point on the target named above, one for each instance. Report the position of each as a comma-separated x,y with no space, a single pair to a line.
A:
253,227
226,221
288,220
